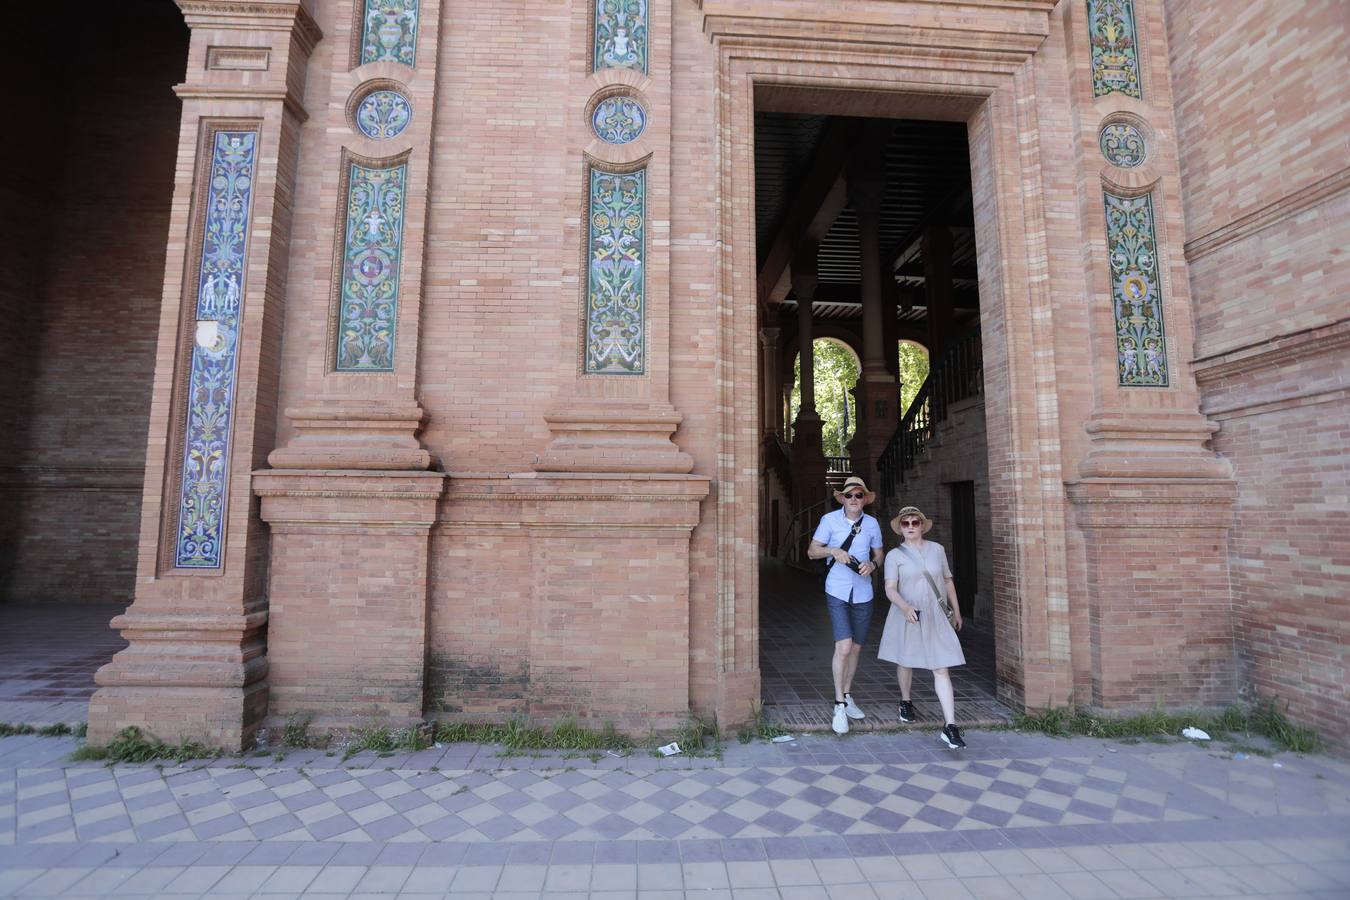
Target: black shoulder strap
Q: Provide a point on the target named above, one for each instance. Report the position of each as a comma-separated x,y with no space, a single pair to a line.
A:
848,541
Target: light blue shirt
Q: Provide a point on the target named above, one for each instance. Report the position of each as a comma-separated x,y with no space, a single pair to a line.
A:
842,582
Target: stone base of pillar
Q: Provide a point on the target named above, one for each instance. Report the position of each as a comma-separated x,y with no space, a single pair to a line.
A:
342,436
1158,606
808,461
588,576
1159,444
878,397
185,677
614,439
738,698
348,591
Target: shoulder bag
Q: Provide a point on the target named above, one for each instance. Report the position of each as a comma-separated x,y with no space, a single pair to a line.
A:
943,603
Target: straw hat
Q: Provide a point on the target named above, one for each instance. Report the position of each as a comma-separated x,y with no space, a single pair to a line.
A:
855,481
910,511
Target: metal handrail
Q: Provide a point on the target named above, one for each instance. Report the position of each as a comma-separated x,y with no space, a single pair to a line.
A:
959,374
791,549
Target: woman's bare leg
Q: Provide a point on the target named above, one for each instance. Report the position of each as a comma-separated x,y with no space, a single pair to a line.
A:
942,682
905,676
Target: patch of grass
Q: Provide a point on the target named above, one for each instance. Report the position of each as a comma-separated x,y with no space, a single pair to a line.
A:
694,734
382,740
520,736
131,745
1263,719
296,734
60,729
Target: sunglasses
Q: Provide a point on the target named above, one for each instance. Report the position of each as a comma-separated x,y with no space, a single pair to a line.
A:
854,496
911,523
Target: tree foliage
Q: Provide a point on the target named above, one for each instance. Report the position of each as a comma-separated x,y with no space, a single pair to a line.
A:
836,373
913,370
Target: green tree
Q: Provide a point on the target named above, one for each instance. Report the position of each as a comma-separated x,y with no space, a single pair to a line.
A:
836,372
913,370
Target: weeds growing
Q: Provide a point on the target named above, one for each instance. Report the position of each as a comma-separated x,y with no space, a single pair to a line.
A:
131,745
1261,720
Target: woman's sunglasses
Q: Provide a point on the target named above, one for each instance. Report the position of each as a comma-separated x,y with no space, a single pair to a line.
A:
911,523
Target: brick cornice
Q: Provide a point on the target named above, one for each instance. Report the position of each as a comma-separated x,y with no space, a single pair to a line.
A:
258,15
1006,31
1285,208
1277,351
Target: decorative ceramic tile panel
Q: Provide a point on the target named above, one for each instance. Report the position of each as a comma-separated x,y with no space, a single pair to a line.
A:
621,34
211,381
368,304
1123,145
615,314
389,32
1136,291
1115,54
619,120
383,114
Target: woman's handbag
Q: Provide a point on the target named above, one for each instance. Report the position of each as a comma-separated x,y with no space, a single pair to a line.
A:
943,603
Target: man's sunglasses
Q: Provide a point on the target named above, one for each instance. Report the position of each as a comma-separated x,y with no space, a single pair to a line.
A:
854,496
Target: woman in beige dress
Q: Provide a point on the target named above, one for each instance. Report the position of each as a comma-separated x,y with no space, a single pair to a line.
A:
917,634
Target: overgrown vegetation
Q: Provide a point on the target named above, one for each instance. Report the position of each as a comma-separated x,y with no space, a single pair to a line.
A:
131,745
758,727
521,736
296,734
1238,721
699,737
60,729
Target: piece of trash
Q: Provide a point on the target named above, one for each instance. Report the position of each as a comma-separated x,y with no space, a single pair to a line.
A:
782,739
440,746
1194,734
1239,755
617,755
670,749
1278,765
1112,750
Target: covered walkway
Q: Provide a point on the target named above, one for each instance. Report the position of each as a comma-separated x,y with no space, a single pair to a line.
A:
795,646
49,653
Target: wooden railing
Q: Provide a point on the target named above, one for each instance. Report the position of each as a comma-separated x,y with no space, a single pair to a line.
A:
958,375
839,464
793,549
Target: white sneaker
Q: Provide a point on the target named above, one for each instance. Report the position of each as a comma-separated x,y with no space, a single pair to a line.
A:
851,709
840,723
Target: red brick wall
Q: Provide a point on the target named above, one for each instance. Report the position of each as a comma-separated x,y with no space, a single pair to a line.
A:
84,344
1261,115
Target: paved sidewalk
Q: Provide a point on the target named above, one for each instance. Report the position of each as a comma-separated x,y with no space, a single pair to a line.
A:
866,816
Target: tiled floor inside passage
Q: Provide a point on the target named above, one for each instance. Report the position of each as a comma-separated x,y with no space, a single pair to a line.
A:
49,653
795,648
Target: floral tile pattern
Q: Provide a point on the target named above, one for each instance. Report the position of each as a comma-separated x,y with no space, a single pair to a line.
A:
389,32
621,34
211,385
368,306
619,120
616,284
1115,55
1136,292
383,114
1123,145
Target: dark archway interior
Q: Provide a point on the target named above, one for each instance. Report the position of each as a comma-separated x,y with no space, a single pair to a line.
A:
86,184
802,167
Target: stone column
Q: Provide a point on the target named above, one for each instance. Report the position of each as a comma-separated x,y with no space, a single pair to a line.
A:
936,247
768,342
877,397
808,455
196,667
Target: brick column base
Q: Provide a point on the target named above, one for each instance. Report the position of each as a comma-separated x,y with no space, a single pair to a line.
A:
1159,612
186,676
348,592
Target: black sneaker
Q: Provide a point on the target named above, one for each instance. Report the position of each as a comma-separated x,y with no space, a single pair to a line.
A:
907,711
951,736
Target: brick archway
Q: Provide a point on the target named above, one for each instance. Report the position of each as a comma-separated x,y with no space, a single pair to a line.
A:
764,70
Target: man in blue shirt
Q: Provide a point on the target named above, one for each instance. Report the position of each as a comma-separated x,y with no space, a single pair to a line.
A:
851,540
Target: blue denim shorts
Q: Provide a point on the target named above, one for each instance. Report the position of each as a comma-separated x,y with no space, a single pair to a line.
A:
849,620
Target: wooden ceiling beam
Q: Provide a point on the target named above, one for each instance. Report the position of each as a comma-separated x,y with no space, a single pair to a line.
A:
817,203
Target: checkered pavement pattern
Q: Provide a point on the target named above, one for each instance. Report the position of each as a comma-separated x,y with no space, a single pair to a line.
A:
206,803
